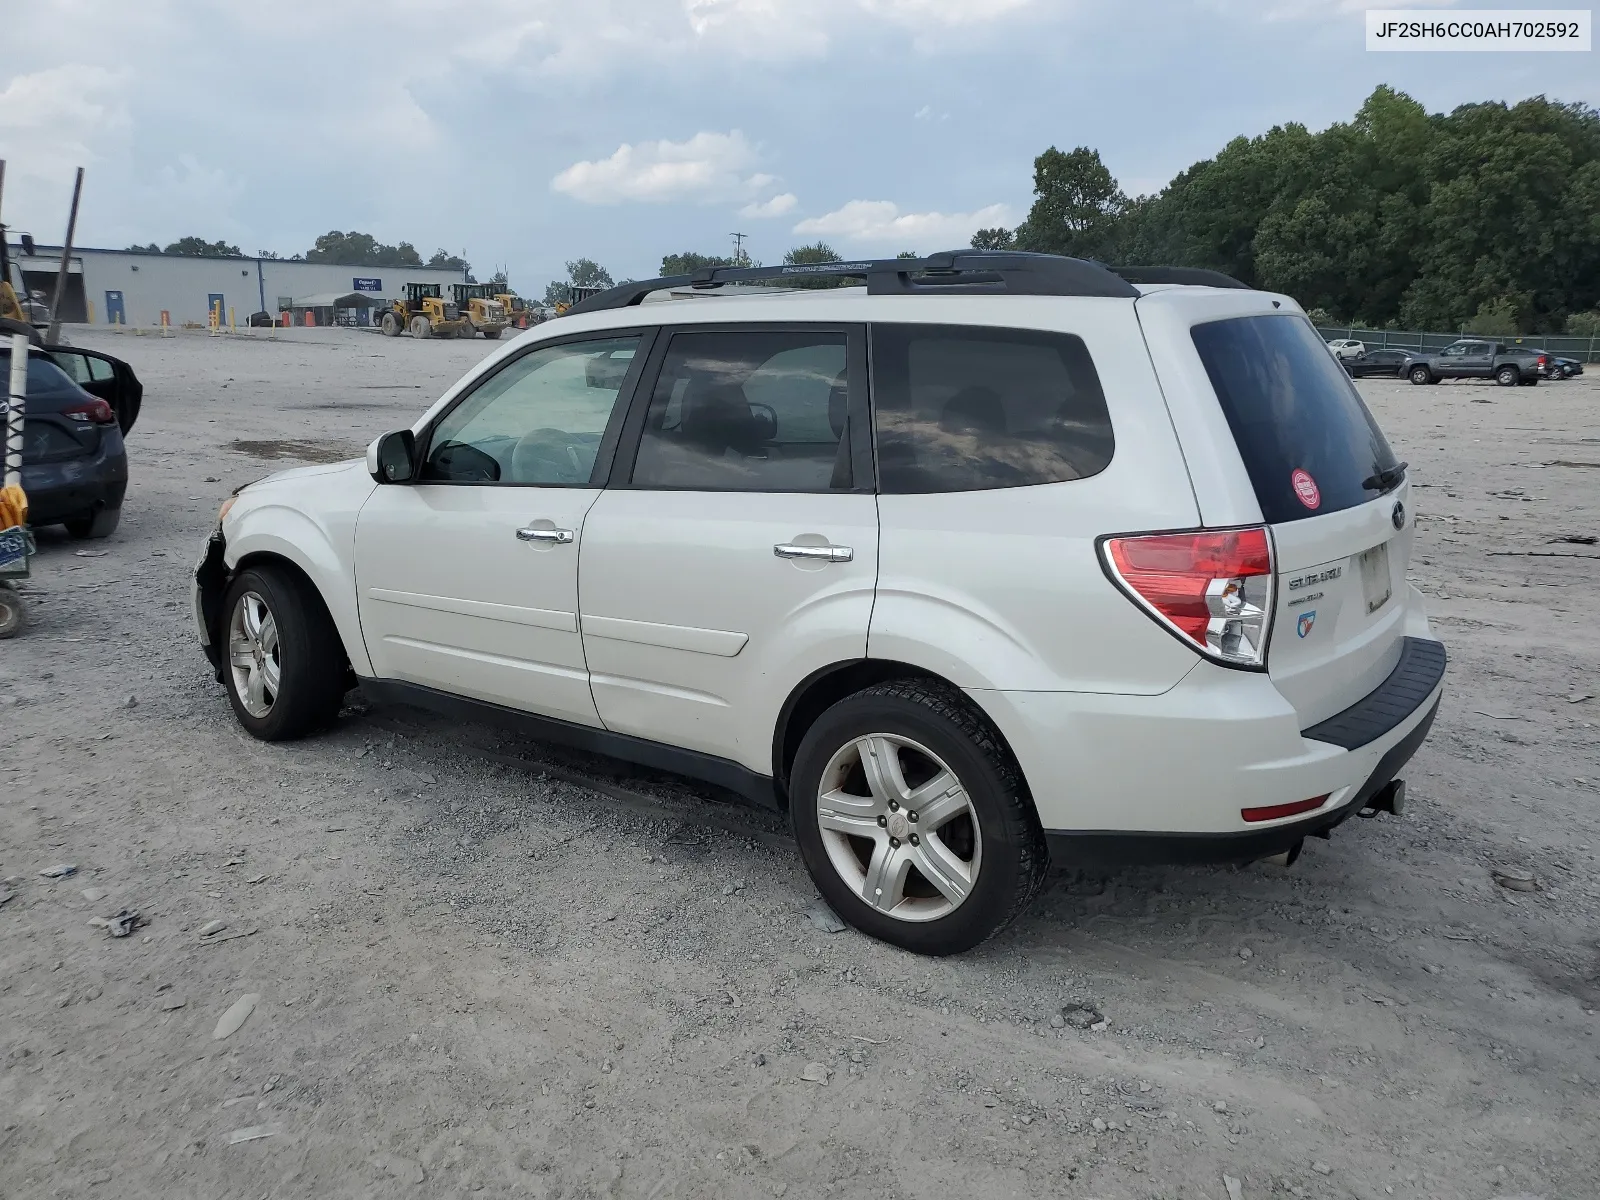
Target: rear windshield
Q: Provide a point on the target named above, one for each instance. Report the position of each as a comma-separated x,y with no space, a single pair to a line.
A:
1306,438
43,375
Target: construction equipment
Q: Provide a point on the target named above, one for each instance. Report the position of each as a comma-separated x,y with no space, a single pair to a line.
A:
481,309
423,312
576,295
518,311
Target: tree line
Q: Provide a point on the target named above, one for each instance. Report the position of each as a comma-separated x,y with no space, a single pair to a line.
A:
335,247
1486,218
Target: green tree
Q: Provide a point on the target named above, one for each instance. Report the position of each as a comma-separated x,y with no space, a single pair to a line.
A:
1585,324
1076,208
689,262
813,253
1494,317
581,272
152,248
193,247
994,239
908,254
362,250
443,260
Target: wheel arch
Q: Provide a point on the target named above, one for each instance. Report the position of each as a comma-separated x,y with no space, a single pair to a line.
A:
826,686
305,550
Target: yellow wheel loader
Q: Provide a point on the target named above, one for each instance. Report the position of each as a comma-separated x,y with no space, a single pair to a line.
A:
481,310
423,312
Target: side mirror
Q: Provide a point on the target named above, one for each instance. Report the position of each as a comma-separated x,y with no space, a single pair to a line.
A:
392,458
607,373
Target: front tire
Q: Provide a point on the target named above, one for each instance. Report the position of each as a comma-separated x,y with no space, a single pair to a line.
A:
390,325
421,327
285,669
913,819
492,334
1420,375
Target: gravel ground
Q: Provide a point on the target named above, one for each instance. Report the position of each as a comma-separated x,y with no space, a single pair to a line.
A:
485,968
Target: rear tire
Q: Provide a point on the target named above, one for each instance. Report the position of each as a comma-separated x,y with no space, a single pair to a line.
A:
978,831
492,334
467,330
1420,375
101,524
283,662
1508,376
390,325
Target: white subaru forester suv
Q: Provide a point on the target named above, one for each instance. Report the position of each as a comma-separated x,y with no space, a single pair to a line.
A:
997,559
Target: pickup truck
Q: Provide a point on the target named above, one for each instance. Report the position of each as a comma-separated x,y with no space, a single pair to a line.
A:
1469,358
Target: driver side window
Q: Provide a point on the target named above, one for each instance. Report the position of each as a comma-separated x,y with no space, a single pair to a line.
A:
538,421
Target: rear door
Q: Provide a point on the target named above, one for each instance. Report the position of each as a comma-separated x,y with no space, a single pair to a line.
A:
738,552
1331,490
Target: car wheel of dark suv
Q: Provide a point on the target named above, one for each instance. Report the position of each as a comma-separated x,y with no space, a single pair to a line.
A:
101,524
913,820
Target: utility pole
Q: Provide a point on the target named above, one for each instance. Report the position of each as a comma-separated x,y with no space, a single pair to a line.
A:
66,257
739,256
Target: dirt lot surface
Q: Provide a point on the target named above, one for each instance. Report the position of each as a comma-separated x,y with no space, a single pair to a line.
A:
485,969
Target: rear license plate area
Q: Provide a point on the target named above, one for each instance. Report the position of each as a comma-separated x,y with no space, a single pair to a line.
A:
1376,585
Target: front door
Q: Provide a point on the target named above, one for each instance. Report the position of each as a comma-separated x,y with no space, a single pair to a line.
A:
115,314
467,578
214,309
739,553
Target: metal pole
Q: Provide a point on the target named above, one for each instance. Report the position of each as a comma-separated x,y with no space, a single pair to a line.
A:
17,409
66,257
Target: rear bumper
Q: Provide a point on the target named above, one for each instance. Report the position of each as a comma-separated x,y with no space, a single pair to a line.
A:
73,488
1121,779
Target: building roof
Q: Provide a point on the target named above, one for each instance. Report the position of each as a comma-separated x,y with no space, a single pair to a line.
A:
340,300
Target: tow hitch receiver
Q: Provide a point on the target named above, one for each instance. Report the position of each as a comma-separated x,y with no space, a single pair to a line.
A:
1391,798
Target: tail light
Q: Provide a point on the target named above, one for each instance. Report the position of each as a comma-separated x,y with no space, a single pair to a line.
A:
1212,588
92,411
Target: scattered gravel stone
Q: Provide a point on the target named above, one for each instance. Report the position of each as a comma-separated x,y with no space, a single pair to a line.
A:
1235,1188
1099,1125
60,871
823,917
1220,1106
252,1133
211,927
173,1003
816,1073
1322,1168
1081,1016
1515,879
92,895
1246,953
236,1016
130,702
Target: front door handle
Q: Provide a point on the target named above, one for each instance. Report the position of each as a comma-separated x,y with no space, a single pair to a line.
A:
560,537
819,553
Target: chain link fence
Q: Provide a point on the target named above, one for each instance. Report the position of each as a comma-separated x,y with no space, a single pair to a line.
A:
1583,349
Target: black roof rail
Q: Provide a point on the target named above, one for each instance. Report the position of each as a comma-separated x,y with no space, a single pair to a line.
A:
951,273
1188,276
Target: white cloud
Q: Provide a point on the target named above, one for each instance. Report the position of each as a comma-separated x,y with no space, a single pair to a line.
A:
881,221
775,207
944,12
706,168
51,120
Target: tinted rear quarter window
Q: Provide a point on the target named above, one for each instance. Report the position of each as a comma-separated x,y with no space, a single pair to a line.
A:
1294,414
962,409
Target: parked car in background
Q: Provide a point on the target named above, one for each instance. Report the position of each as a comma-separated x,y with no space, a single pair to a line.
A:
74,465
1471,358
104,376
939,709
1377,362
1347,348
1562,368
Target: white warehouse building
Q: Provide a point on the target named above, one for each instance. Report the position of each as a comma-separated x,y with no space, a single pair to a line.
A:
135,287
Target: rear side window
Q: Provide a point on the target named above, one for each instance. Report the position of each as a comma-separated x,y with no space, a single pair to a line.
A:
1306,438
749,411
43,375
966,408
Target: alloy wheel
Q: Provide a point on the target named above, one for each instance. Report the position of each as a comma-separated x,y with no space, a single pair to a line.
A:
255,655
899,827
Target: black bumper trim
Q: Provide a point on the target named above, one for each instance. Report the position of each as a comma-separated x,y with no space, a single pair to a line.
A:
1408,686
1113,848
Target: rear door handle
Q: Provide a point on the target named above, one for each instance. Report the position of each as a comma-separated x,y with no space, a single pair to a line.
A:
820,553
560,537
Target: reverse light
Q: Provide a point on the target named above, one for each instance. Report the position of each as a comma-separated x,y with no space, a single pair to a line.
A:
1212,588
1273,812
93,411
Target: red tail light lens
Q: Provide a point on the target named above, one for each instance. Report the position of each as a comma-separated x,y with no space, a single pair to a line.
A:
91,412
1213,589
1275,812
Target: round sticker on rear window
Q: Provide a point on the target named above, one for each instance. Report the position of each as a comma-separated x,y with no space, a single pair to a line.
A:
1306,488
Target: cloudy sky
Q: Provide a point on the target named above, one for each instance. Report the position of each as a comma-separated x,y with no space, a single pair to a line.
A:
527,132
